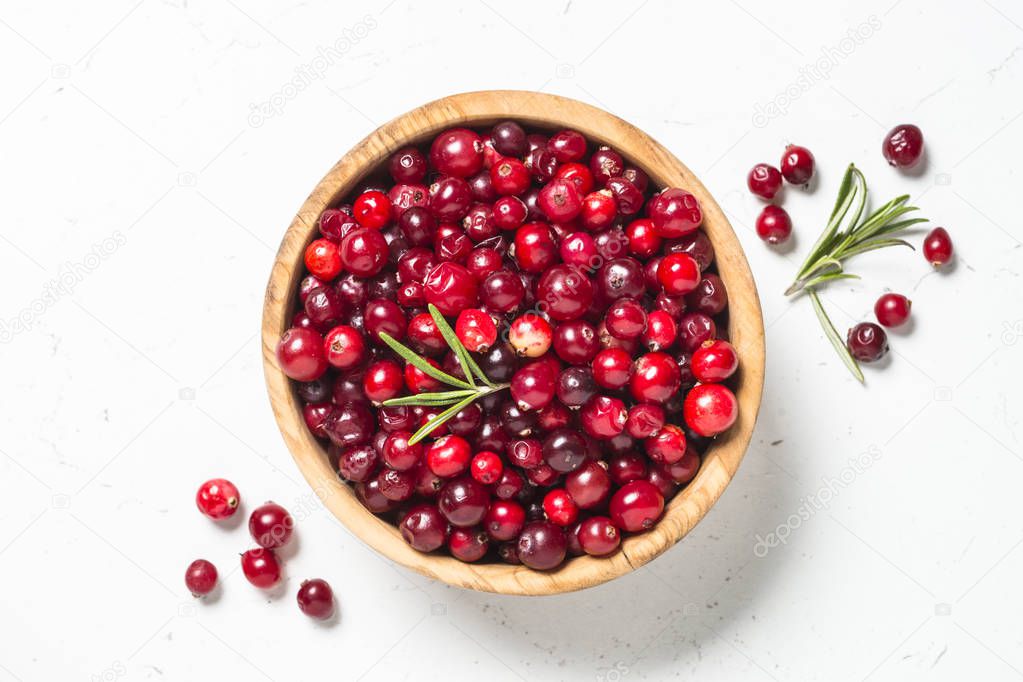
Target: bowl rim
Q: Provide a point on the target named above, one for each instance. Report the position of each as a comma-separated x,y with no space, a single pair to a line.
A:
745,327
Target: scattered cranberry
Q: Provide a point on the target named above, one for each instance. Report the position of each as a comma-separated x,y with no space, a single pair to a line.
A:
903,146
867,342
764,181
271,525
797,165
316,599
892,310
774,225
938,247
200,577
261,568
218,498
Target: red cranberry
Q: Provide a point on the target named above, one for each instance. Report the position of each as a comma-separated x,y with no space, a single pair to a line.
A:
372,209
300,354
476,330
504,520
598,210
598,536
450,198
697,245
636,506
509,177
625,319
424,528
560,200
486,467
774,225
383,380
611,243
541,164
643,238
533,386
396,486
938,247
468,544
579,250
271,525
509,139
678,273
626,468
564,292
660,331
322,259
655,378
542,545
200,577
261,568
710,409
350,424
684,470
509,213
344,347
714,361
797,165
451,288
448,456
603,416
694,329
621,277
382,315
612,368
605,164
463,502
483,261
399,454
892,310
675,213
530,335
404,197
336,222
424,335
577,173
316,599
357,463
535,248
867,342
627,196
576,342
644,420
217,498
407,165
903,146
568,145
667,445
589,485
560,508
364,252
564,450
526,453
764,181
457,152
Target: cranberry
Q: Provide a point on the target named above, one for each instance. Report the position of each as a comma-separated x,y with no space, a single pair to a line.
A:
774,225
324,307
300,354
694,329
364,252
271,525
399,454
424,528
450,198
535,248
315,416
350,424
612,368
564,450
396,486
710,409
457,152
576,342
611,243
667,445
448,456
675,213
357,463
678,273
697,245
502,291
261,568
372,209
476,330
344,347
451,288
463,502
509,212
567,145
636,506
621,277
509,177
643,238
903,146
372,498
577,173
564,292
579,250
764,181
644,420
533,386
625,319
530,335
504,520
418,226
660,331
598,210
468,544
560,200
714,361
892,310
383,380
589,485
542,545
938,247
576,386
316,599
598,536
486,467
626,468
509,139
603,416
217,498
655,378
407,165
336,222
200,577
560,508
322,259
483,261
424,335
867,342
542,164
605,164
709,297
797,165
404,197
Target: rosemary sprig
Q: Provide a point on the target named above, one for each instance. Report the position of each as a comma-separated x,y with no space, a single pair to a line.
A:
468,391
848,234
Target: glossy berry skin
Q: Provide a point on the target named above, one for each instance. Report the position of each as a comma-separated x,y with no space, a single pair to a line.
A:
486,467
714,361
530,335
867,342
407,165
416,380
448,456
667,445
560,508
509,213
398,454
797,165
564,292
644,420
661,331
504,520
535,247
564,450
621,277
364,252
560,201
892,310
200,577
599,210
655,378
270,525
625,319
938,247
678,274
509,177
576,342
218,498
344,347
567,145
457,152
627,468
578,249
575,386
316,599
476,330
463,501
612,368
764,181
903,146
577,173
542,545
774,225
261,568
424,528
468,544
452,288
509,139
643,238
322,259
383,380
372,209
589,485
450,198
533,387
382,315
598,536
675,213
636,506
603,416
300,354
710,409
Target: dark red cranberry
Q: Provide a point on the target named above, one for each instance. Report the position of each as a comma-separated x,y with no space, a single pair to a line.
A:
533,386
709,297
697,245
335,223
407,165
903,146
465,422
316,599
764,180
627,467
564,292
396,486
508,552
510,485
606,163
350,424
564,450
424,528
324,307
542,545
200,577
867,342
452,288
542,164
509,139
603,416
797,165
598,536
667,445
463,501
660,331
625,319
636,506
560,200
499,363
711,408
628,198
491,435
450,198
364,252
644,420
576,386
261,568
938,247
576,342
315,417
415,264
348,388
611,243
483,261
457,152
309,284
554,416
418,226
358,463
382,315
535,248
694,329
774,225
675,213
612,368
424,335
502,291
621,277
892,310
468,544
589,485
300,354
504,520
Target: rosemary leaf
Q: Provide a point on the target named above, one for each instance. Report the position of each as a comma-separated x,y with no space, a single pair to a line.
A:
410,356
438,398
465,359
834,338
447,414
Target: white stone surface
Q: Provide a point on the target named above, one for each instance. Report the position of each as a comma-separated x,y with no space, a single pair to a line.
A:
139,122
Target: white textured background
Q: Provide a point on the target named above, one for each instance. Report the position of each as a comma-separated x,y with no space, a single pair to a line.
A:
157,151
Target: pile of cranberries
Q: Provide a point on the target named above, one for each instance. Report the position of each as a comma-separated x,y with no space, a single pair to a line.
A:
271,527
569,278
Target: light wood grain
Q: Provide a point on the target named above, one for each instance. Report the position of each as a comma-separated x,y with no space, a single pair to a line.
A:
745,330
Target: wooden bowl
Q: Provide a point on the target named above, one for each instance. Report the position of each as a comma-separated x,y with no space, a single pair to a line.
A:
745,330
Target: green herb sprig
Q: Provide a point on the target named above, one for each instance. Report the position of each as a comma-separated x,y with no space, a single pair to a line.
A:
849,234
468,390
